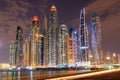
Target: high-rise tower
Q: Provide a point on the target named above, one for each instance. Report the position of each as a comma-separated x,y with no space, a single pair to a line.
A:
62,46
36,43
12,53
83,38
72,47
45,40
19,47
27,53
96,39
52,36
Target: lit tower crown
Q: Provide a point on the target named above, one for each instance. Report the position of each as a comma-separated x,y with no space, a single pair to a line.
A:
52,36
53,9
35,18
35,22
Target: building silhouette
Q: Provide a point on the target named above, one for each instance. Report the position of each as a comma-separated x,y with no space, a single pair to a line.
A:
44,30
19,47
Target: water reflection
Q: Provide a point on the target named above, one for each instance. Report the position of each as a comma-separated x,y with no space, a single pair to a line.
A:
0,75
19,77
35,75
31,75
11,75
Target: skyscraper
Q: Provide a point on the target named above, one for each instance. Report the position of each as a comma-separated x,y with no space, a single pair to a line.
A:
96,39
52,36
19,47
36,43
12,53
27,53
72,47
83,38
62,46
45,40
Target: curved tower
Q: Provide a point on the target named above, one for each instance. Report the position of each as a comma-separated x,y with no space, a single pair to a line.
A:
52,36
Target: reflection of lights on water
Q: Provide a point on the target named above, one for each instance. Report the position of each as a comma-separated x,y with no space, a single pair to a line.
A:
0,75
84,75
19,75
31,75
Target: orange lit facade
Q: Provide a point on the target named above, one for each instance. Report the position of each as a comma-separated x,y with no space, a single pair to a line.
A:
71,57
33,46
35,18
72,47
27,53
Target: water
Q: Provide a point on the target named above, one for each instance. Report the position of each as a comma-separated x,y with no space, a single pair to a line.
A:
36,75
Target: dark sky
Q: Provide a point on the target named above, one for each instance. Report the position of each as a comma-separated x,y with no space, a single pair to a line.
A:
15,13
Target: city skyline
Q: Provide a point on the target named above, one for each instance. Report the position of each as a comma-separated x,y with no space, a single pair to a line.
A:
26,25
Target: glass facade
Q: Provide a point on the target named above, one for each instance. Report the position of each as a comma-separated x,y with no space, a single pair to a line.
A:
52,37
96,39
83,38
62,46
19,47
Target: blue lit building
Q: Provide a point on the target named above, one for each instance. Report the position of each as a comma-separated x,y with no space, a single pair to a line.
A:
96,39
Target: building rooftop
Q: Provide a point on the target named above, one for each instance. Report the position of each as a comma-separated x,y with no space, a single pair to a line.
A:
53,9
35,18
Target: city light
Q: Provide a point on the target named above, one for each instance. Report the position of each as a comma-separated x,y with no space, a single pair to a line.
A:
84,75
59,46
46,40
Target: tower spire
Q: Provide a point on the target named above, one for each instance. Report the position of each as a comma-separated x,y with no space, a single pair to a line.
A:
53,9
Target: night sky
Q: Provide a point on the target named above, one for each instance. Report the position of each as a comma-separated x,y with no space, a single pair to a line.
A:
15,13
